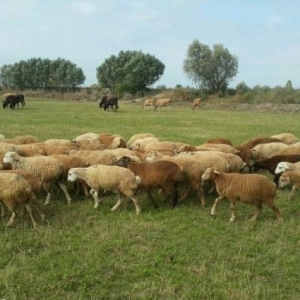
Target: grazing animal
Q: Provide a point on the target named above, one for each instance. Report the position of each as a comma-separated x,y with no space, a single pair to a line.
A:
148,103
13,100
108,178
109,102
289,177
253,189
48,169
163,102
15,191
196,103
157,174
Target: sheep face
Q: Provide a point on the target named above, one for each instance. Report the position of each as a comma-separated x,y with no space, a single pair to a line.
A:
281,167
72,176
152,156
9,157
210,174
284,180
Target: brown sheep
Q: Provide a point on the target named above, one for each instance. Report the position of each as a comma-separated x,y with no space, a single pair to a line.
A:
158,174
163,102
253,189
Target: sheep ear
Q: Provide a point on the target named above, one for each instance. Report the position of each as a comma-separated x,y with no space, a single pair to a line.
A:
216,172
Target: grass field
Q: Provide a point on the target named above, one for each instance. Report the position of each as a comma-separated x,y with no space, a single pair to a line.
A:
184,253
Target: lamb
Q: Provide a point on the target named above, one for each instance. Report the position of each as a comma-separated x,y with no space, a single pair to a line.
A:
253,189
289,177
15,191
158,174
287,138
108,178
48,169
291,149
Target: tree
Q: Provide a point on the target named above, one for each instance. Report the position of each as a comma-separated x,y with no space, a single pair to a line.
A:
42,73
130,71
212,69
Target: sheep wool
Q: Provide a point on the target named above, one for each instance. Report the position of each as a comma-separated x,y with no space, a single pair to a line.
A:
254,189
108,178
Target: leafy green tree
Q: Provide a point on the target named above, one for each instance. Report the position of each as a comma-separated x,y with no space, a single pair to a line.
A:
130,71
212,69
42,73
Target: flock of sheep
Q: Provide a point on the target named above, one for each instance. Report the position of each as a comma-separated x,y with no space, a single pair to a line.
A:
99,163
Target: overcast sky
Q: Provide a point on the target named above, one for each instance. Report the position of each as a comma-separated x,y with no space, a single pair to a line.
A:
263,34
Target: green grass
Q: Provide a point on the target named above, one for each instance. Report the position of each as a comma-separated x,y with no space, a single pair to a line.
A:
82,253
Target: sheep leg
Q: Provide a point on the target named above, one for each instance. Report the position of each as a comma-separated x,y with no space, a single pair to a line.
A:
276,211
152,199
292,192
64,189
96,198
185,193
38,208
29,210
48,199
213,209
2,210
257,212
136,204
232,208
119,202
12,219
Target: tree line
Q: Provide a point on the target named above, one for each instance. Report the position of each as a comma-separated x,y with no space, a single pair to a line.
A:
134,72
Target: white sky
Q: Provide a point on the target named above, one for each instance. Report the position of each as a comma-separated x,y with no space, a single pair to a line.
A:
263,34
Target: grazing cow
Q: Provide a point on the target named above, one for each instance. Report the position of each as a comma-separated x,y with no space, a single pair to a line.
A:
163,102
14,99
109,101
196,103
148,103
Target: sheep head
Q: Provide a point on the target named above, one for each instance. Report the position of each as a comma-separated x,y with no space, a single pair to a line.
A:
11,157
281,167
210,174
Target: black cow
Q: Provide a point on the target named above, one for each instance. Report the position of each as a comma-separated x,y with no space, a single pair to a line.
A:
109,102
13,100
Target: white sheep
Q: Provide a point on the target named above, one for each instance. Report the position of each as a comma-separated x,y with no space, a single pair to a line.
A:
108,178
289,177
253,189
48,169
284,166
262,151
16,192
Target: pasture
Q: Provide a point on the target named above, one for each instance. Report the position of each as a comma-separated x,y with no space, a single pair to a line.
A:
82,253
